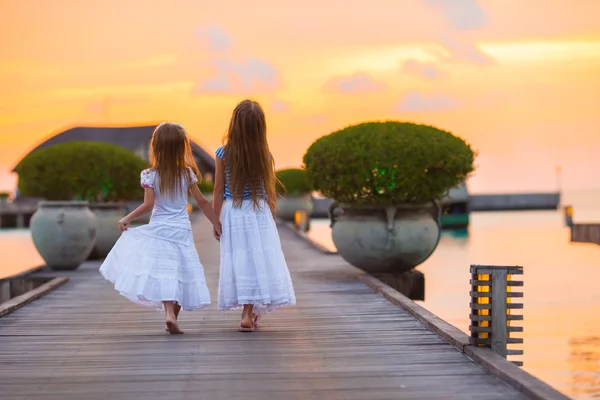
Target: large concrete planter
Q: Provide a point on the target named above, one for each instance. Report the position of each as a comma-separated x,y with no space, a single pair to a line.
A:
287,206
64,233
386,240
107,216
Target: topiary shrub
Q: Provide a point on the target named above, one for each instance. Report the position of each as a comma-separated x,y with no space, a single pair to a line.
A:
206,187
292,182
4,195
92,171
385,163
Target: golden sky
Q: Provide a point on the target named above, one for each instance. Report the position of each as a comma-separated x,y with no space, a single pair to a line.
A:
520,80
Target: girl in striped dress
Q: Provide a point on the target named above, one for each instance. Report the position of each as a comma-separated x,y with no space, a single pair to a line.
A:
254,275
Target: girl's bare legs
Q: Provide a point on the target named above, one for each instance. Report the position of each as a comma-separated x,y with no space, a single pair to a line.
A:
176,310
171,318
247,316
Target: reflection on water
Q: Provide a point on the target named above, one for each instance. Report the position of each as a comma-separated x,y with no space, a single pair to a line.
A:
584,360
17,252
458,234
562,300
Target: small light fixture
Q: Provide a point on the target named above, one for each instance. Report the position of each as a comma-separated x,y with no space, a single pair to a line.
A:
301,220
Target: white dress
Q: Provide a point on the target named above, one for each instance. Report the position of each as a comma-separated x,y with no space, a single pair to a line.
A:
253,268
158,262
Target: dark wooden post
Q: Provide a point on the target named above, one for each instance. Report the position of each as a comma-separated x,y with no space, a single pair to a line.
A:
492,297
302,220
4,290
568,211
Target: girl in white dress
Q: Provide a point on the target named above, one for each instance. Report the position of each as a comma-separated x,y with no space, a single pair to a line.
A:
157,264
253,275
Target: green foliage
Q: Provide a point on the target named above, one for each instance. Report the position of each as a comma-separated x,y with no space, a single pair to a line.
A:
92,171
384,163
293,182
4,195
206,187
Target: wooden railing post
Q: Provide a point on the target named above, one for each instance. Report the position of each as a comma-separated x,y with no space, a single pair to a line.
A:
302,220
4,290
568,212
492,297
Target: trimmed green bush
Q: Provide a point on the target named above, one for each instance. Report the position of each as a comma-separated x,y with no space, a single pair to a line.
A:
4,195
92,171
206,187
385,163
292,182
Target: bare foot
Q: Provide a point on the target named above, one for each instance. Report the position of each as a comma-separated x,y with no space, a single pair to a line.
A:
173,328
247,324
176,310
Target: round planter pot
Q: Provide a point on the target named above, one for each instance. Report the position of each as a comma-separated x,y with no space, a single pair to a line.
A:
64,233
392,240
287,206
107,216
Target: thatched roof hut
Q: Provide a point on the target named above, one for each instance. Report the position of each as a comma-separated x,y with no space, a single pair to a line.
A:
134,138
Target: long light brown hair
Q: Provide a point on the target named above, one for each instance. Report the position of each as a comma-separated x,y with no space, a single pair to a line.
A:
248,157
171,157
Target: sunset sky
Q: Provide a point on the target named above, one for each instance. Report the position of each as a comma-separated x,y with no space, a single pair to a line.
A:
519,80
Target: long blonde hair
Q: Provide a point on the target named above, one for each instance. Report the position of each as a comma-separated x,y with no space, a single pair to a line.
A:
247,155
171,157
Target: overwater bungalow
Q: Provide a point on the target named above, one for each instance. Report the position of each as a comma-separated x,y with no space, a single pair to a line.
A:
134,138
455,208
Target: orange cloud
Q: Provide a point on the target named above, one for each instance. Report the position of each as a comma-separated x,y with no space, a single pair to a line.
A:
279,106
231,74
460,14
464,52
215,38
426,70
416,102
355,84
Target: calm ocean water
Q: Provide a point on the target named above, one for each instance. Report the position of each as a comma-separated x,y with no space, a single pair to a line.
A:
562,299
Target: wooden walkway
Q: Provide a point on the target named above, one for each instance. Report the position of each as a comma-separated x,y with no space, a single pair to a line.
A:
342,341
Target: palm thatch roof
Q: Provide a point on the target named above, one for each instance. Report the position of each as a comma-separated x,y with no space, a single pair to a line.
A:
132,138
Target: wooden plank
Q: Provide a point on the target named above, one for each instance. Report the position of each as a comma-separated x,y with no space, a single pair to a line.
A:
14,304
510,306
528,384
342,341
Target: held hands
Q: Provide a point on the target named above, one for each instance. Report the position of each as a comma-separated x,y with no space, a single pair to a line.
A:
217,230
123,224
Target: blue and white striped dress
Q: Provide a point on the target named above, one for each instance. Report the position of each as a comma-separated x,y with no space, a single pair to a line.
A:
220,153
253,268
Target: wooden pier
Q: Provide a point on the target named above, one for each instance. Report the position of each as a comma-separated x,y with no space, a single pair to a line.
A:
16,216
479,202
585,233
581,233
342,341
